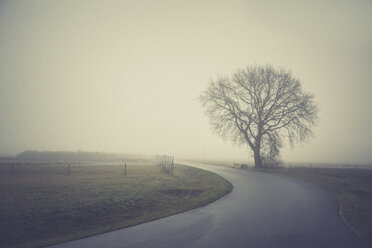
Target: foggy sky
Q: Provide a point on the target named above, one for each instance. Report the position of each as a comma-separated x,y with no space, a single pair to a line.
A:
124,76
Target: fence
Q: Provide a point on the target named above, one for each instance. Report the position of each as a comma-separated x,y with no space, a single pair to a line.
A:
60,167
167,163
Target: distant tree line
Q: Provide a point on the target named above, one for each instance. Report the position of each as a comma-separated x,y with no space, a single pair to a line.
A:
78,156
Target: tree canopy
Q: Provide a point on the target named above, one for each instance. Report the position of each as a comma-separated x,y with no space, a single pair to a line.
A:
259,106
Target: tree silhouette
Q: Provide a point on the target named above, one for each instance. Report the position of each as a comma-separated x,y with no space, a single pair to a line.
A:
259,105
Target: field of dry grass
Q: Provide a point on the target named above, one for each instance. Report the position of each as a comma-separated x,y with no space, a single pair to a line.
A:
42,205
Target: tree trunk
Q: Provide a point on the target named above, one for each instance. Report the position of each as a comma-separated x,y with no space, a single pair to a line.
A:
257,150
257,159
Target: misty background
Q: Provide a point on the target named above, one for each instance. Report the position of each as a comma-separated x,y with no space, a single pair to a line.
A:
125,76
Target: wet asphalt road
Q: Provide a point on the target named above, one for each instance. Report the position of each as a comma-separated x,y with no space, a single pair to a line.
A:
263,210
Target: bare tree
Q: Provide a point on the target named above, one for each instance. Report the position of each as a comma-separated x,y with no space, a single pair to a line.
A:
259,105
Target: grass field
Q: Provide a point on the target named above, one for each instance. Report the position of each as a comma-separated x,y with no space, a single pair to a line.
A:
353,189
42,205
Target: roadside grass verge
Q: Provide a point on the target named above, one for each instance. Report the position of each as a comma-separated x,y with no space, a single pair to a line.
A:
352,188
41,205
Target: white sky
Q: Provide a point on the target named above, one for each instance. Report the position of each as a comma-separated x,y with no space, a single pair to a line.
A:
124,76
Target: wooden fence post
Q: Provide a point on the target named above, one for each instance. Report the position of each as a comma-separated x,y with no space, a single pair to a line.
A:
165,162
125,169
173,165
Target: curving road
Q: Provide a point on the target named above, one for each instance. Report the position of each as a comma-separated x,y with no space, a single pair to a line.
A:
263,210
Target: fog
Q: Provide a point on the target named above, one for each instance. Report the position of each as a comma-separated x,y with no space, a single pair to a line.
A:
125,76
